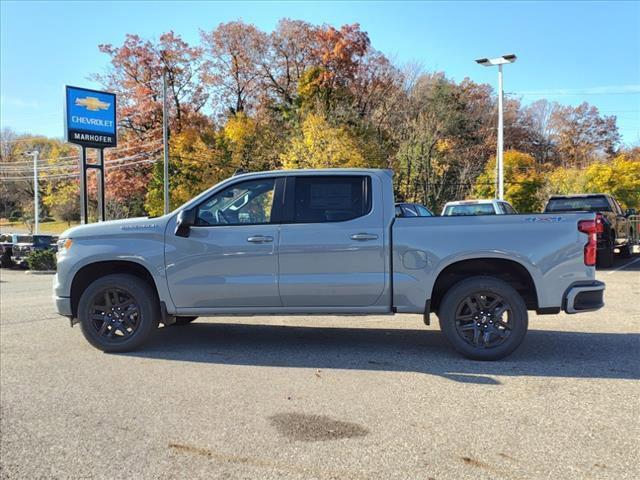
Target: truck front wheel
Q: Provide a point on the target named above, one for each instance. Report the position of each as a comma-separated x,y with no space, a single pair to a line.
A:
483,318
118,313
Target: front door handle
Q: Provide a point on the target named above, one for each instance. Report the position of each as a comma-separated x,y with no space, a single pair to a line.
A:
260,239
364,236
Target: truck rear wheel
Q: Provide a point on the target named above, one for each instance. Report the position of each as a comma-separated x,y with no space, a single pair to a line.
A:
627,250
118,313
483,318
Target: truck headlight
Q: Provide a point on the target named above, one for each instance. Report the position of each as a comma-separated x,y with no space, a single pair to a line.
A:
64,245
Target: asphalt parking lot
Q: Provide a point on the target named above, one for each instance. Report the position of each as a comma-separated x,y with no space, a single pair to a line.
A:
312,397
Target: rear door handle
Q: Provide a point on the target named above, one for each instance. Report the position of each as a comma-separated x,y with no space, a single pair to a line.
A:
364,236
260,239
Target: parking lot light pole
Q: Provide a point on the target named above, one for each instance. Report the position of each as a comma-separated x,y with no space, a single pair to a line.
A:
36,200
165,140
490,62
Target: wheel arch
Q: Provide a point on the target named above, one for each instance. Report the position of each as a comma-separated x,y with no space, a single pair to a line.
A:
92,271
510,271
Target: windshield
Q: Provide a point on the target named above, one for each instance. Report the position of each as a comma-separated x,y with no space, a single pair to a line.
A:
24,239
578,204
472,209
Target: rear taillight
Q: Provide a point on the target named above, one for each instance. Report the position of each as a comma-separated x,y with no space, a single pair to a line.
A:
599,223
590,227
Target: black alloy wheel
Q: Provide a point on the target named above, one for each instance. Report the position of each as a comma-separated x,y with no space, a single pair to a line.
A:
484,319
115,314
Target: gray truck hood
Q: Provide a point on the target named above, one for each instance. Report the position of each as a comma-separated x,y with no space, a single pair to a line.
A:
117,227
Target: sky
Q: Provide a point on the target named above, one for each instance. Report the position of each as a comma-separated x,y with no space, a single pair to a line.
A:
569,52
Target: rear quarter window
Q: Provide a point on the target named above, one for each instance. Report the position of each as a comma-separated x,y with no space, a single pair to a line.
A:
331,199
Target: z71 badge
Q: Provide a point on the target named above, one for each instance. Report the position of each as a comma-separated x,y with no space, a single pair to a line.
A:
544,219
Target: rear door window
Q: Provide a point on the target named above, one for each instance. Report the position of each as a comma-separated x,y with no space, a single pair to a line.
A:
320,199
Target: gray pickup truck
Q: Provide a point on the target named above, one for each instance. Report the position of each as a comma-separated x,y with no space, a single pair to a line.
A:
325,242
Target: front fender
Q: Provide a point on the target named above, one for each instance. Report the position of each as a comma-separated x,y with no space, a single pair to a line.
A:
146,252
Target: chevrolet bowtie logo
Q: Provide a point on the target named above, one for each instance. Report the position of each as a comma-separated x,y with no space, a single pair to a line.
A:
92,104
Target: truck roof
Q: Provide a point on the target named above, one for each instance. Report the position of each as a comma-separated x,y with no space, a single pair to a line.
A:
474,202
325,171
580,195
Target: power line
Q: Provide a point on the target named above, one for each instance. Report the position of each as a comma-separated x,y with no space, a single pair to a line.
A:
56,167
75,174
25,139
76,157
74,165
570,94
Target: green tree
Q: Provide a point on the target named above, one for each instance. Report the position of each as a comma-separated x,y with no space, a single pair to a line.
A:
521,181
321,145
63,200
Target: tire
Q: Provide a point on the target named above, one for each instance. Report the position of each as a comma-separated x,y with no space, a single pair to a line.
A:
501,327
604,258
180,321
625,252
127,331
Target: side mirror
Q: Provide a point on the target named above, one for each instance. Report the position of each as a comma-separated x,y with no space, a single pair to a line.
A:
186,219
630,211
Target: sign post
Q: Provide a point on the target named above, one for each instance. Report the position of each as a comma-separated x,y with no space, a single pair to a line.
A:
90,122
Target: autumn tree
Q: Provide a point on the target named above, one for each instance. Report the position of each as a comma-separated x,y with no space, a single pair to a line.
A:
620,178
288,52
582,135
232,53
136,76
137,69
310,95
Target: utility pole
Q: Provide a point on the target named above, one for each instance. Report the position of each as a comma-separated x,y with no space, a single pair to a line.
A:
36,199
490,62
165,139
500,137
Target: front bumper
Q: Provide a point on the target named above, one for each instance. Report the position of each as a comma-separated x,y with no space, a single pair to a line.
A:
584,297
63,306
61,297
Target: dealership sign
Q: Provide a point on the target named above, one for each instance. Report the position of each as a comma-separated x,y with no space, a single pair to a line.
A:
90,118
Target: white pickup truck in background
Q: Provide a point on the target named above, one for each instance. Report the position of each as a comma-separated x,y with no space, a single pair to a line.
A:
478,207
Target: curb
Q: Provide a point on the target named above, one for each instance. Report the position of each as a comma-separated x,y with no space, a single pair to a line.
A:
40,272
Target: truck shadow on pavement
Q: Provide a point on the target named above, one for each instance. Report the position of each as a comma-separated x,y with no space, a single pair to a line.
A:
543,353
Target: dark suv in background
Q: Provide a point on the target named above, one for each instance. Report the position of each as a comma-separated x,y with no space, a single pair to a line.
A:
613,227
23,245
